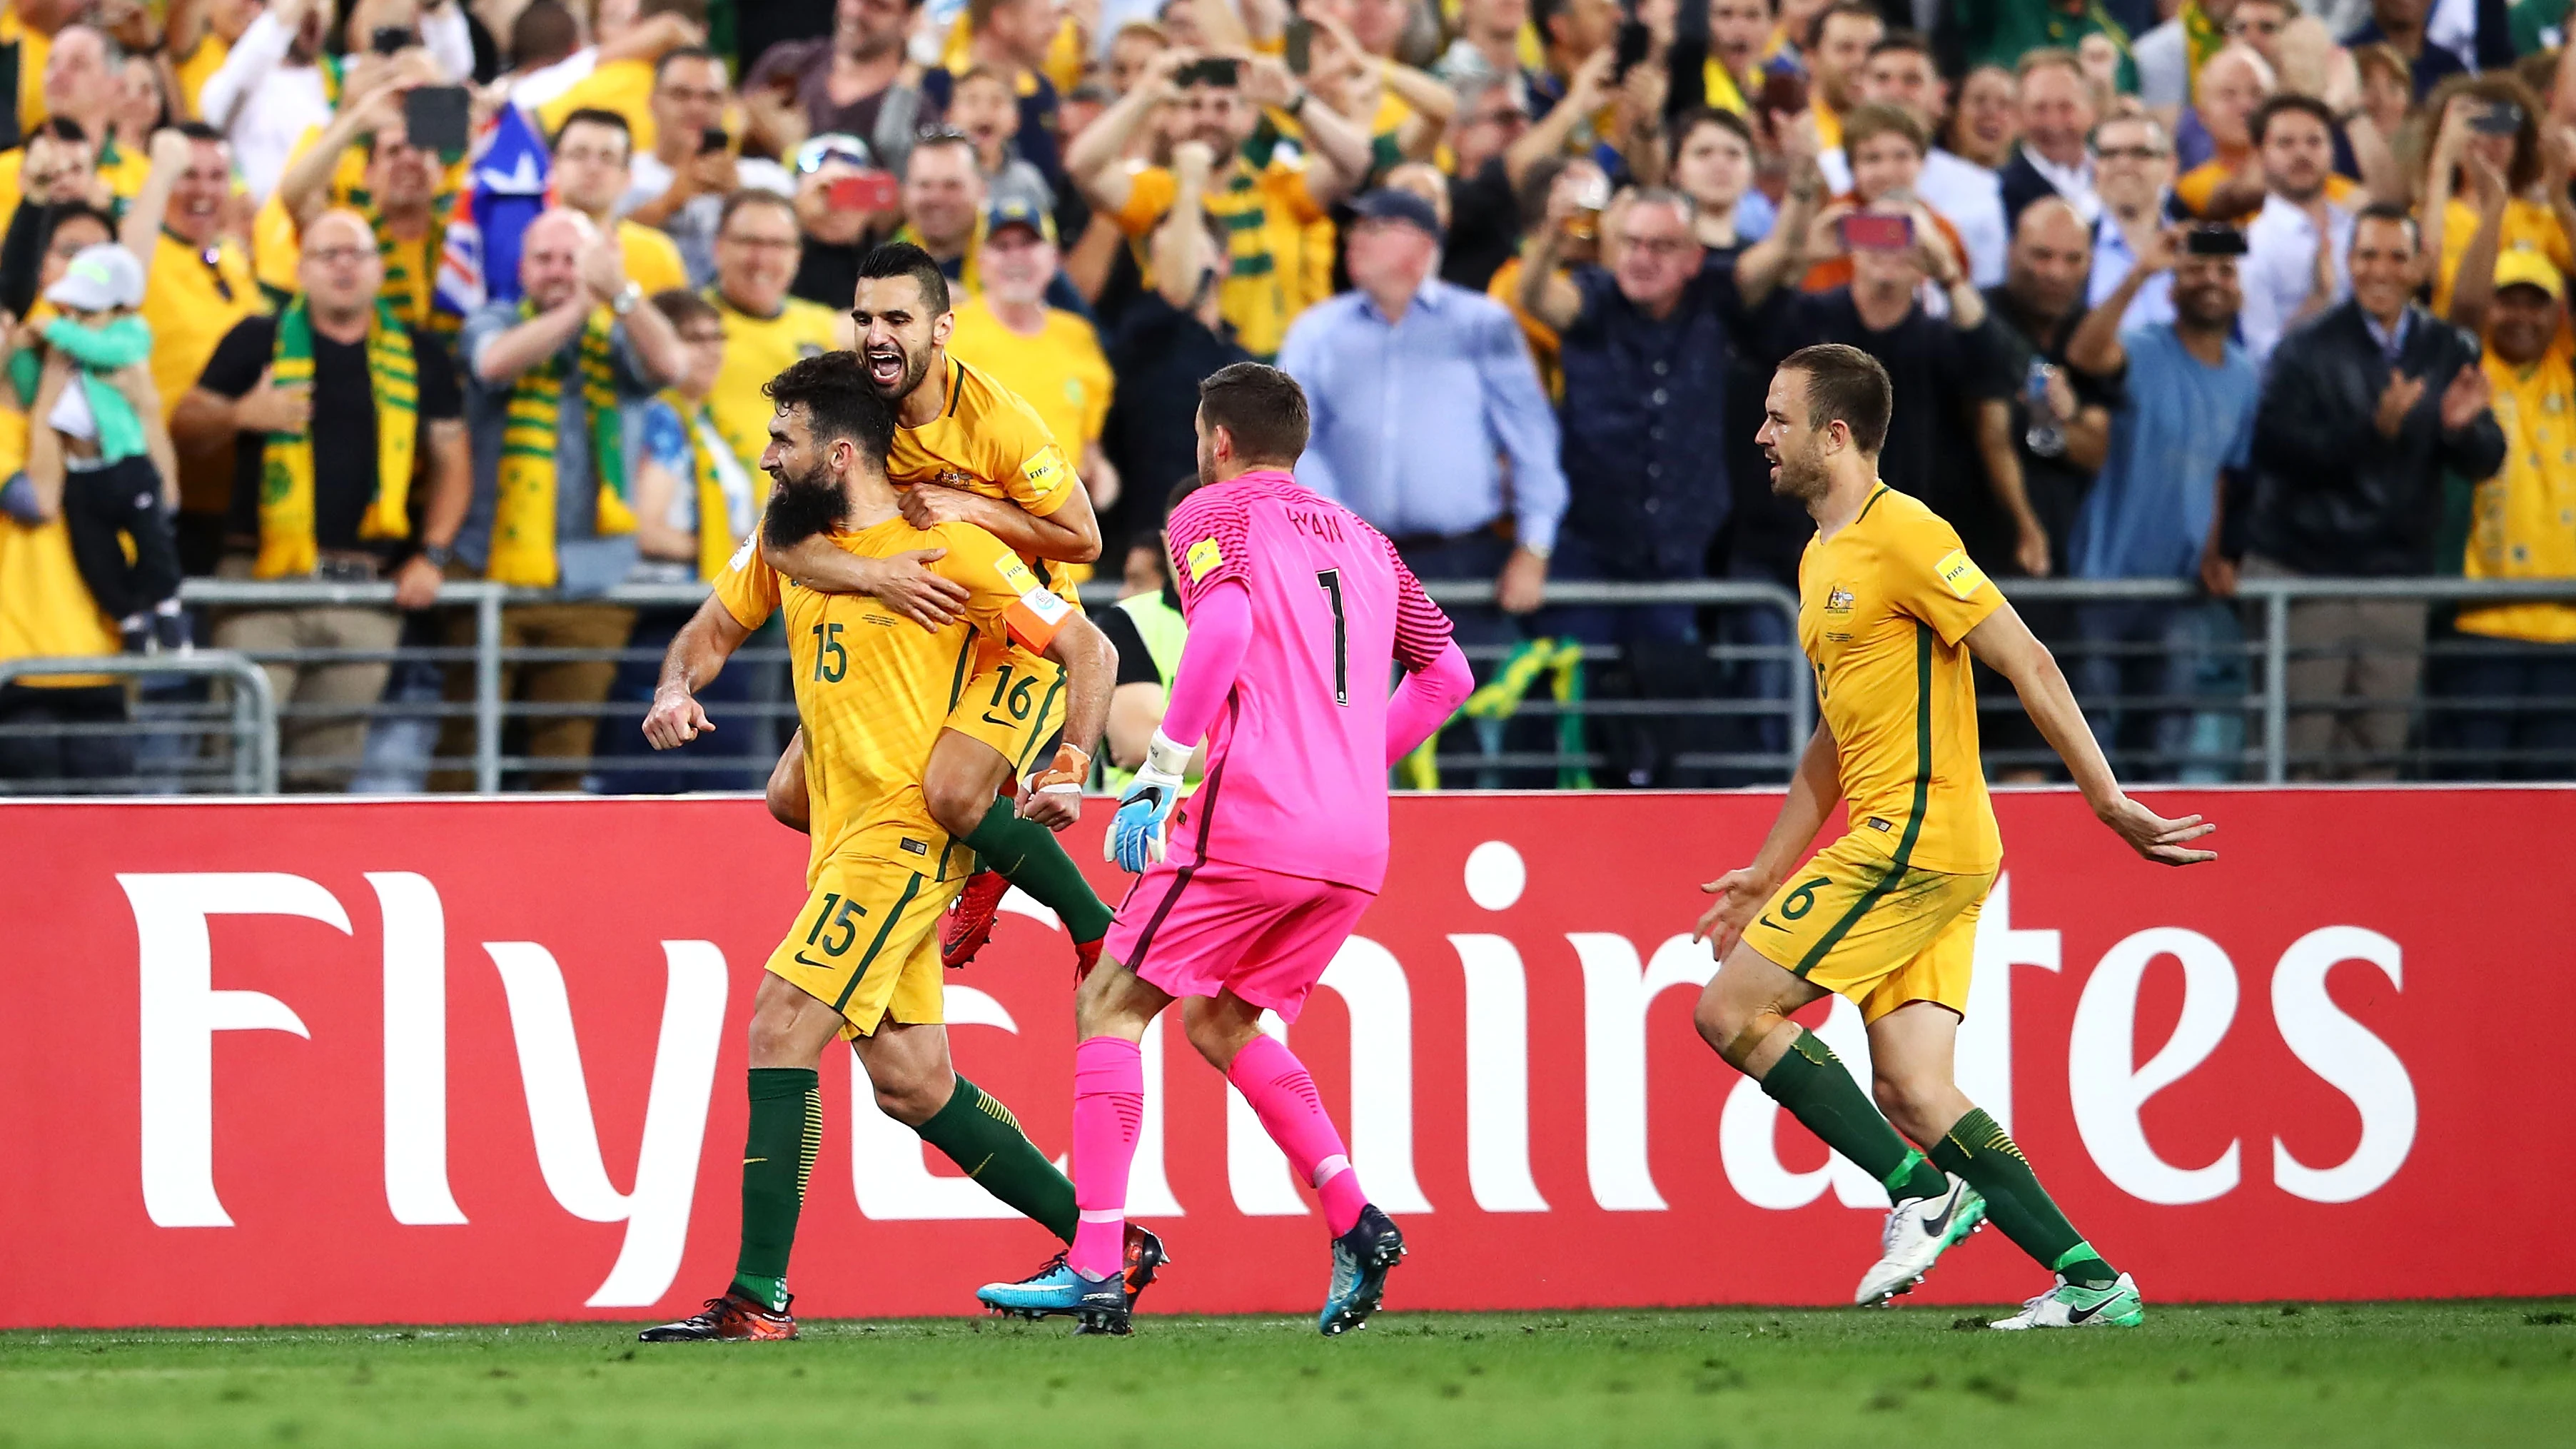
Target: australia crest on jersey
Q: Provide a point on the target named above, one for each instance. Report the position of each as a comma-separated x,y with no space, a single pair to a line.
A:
1838,600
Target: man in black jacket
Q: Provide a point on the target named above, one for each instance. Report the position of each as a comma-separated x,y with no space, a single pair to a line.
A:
2366,407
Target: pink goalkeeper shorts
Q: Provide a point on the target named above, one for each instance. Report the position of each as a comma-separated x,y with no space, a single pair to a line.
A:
1216,926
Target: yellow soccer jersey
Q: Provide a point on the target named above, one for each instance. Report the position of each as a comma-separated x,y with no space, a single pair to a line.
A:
757,349
1061,373
989,441
1882,608
873,690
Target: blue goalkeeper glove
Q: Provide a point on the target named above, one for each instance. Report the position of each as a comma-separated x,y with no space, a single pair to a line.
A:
1136,836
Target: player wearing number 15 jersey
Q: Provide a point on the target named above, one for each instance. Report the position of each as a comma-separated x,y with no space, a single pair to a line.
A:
861,960
1297,610
1891,610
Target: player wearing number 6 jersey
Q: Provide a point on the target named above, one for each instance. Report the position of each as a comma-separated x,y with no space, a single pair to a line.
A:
862,959
1890,611
1297,611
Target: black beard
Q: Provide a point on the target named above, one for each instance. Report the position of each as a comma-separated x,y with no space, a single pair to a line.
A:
800,508
916,366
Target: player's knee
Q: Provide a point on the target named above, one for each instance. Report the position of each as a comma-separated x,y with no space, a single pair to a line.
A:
958,806
1217,1039
773,1033
912,1098
1725,1025
1909,1105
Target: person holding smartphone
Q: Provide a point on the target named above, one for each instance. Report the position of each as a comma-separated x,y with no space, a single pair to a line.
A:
680,183
2489,138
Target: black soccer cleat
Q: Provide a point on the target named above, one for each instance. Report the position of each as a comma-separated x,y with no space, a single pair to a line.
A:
1362,1258
1144,1258
1102,1306
732,1318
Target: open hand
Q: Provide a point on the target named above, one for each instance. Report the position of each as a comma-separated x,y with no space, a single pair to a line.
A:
1740,894
2464,399
906,584
2158,839
268,408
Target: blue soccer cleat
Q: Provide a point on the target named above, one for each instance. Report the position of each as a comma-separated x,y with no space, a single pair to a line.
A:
1361,1260
1055,1290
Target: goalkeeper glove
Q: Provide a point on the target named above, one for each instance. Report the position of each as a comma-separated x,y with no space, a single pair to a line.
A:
1135,837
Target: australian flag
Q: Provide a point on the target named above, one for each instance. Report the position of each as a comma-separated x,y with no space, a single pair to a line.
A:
479,260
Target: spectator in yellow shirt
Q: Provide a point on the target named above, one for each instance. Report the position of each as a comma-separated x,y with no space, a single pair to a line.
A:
2522,520
1049,356
594,166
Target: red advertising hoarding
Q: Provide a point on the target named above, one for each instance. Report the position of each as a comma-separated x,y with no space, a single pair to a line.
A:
351,1061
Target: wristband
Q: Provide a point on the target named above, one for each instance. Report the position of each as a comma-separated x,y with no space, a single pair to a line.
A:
1167,757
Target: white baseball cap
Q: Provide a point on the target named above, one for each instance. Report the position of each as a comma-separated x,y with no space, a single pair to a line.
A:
100,278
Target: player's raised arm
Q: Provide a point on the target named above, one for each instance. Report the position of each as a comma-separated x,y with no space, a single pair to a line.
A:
2005,644
903,582
1068,533
1813,792
697,653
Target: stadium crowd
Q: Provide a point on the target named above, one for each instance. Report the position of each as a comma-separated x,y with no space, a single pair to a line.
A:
2214,292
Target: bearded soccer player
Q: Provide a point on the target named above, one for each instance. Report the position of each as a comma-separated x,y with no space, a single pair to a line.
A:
1890,612
860,961
1297,611
967,451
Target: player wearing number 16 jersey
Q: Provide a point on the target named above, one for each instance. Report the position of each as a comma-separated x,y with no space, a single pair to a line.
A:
1891,610
1297,610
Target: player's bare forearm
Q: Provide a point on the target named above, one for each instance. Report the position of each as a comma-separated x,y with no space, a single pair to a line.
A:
1812,793
2006,645
815,563
1071,534
697,653
1090,673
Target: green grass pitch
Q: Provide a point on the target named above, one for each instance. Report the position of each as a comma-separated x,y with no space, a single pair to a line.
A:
2339,1374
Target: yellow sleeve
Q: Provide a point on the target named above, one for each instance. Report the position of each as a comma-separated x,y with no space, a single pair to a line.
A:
2198,185
1002,596
1024,458
1150,192
277,248
1933,579
1100,384
747,586
1288,183
652,261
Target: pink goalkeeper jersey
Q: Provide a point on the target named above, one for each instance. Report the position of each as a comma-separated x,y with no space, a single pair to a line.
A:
1296,768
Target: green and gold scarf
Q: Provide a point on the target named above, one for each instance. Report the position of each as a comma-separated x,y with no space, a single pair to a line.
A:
523,523
286,539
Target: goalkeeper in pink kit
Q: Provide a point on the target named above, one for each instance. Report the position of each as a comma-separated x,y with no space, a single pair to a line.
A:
1297,611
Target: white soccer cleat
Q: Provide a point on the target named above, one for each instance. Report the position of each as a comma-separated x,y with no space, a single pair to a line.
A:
2070,1306
1917,1234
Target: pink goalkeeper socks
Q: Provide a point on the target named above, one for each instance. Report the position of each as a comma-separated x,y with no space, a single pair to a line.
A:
1108,1103
1277,1086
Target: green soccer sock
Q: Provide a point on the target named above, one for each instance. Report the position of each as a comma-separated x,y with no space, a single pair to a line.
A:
1818,1090
1978,1149
777,1161
981,1136
1027,855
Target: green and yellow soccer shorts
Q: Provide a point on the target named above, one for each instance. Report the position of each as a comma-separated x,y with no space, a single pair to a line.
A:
1855,923
867,943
